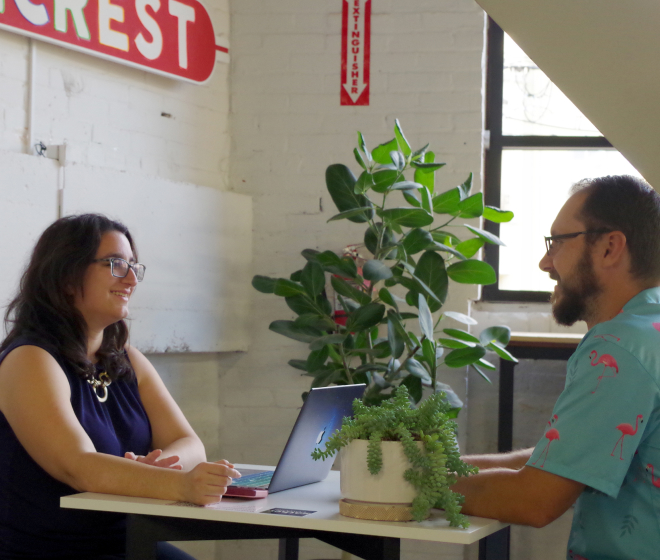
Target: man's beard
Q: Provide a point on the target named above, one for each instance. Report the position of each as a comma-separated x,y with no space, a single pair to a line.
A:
575,298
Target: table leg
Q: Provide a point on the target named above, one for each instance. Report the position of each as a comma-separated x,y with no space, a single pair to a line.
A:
140,538
495,546
288,549
505,416
364,546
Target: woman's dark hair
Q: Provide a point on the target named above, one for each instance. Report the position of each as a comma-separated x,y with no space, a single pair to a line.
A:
44,308
629,205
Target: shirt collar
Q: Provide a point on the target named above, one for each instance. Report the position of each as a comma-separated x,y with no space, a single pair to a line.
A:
652,295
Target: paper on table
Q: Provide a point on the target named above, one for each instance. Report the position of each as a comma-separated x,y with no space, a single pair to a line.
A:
225,505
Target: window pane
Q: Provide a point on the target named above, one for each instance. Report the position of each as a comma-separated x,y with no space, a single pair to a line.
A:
532,104
535,185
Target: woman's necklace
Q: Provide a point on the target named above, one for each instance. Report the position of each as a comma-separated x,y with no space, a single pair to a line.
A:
103,382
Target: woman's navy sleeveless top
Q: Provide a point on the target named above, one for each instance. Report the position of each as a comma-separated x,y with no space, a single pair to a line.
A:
32,524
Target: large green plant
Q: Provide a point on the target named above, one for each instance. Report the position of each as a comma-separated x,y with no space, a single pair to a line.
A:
433,469
415,255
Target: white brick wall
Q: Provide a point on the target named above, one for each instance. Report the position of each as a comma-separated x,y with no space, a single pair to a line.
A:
287,127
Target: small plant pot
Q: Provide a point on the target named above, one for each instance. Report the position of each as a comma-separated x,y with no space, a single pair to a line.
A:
385,496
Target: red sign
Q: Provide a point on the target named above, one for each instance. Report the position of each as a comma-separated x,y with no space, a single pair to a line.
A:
174,38
355,52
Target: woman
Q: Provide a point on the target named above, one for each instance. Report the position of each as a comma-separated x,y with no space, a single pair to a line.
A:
80,409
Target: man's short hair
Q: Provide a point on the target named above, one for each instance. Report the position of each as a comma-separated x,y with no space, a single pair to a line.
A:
629,205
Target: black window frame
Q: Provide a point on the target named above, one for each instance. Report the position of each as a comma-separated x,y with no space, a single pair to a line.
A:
493,161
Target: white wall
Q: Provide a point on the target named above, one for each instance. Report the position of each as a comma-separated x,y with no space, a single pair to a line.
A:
287,127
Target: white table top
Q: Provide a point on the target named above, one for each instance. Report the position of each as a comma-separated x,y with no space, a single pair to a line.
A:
322,498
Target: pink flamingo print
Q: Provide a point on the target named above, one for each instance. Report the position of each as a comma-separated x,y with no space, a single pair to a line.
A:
655,481
626,430
551,435
656,326
607,361
575,556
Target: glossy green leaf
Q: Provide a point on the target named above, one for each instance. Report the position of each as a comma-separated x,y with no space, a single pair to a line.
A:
461,335
287,288
347,290
445,238
472,272
344,266
314,320
363,183
407,217
448,249
404,146
470,247
296,276
386,296
499,334
447,202
452,343
416,240
496,215
466,187
371,237
431,271
398,160
460,317
310,254
264,284
478,370
420,154
298,364
313,278
289,329
417,369
324,341
485,235
348,214
464,356
427,167
381,153
425,318
363,146
471,207
316,360
429,351
425,177
359,158
501,352
426,199
406,185
376,270
412,198
450,395
383,179
486,364
302,304
396,334
325,377
365,317
341,185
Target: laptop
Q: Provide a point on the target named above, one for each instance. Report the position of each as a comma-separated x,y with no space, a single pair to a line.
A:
321,414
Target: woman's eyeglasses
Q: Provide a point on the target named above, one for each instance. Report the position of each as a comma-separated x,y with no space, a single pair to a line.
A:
119,268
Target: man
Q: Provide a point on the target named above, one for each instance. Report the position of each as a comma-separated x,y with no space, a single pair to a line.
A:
602,442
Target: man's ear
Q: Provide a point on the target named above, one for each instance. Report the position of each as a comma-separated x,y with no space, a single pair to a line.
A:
613,248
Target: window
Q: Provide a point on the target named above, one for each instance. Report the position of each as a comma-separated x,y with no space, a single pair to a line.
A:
540,144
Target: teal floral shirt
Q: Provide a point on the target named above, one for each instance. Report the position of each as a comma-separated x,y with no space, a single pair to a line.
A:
605,433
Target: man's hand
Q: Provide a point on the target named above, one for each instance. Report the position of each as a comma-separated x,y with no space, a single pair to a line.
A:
152,458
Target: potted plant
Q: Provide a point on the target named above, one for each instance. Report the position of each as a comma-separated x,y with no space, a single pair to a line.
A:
426,435
415,253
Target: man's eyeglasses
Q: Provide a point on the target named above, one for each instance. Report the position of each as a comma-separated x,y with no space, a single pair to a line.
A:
550,241
119,268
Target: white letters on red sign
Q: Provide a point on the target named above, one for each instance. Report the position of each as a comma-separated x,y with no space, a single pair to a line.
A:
149,49
356,46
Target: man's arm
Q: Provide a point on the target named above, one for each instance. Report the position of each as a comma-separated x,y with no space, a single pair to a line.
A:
528,496
512,460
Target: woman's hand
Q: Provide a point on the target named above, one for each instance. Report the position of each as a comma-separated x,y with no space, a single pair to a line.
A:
152,458
207,482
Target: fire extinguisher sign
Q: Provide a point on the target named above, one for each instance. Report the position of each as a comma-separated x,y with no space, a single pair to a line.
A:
355,52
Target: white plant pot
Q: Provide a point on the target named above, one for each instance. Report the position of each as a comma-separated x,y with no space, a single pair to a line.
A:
386,487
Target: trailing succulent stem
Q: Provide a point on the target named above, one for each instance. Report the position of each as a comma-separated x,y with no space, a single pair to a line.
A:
406,279
433,468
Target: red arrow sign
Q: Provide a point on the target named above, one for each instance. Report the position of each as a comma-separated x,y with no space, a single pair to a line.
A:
169,37
355,52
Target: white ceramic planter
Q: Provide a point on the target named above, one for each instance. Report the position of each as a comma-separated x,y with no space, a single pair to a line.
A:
387,487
